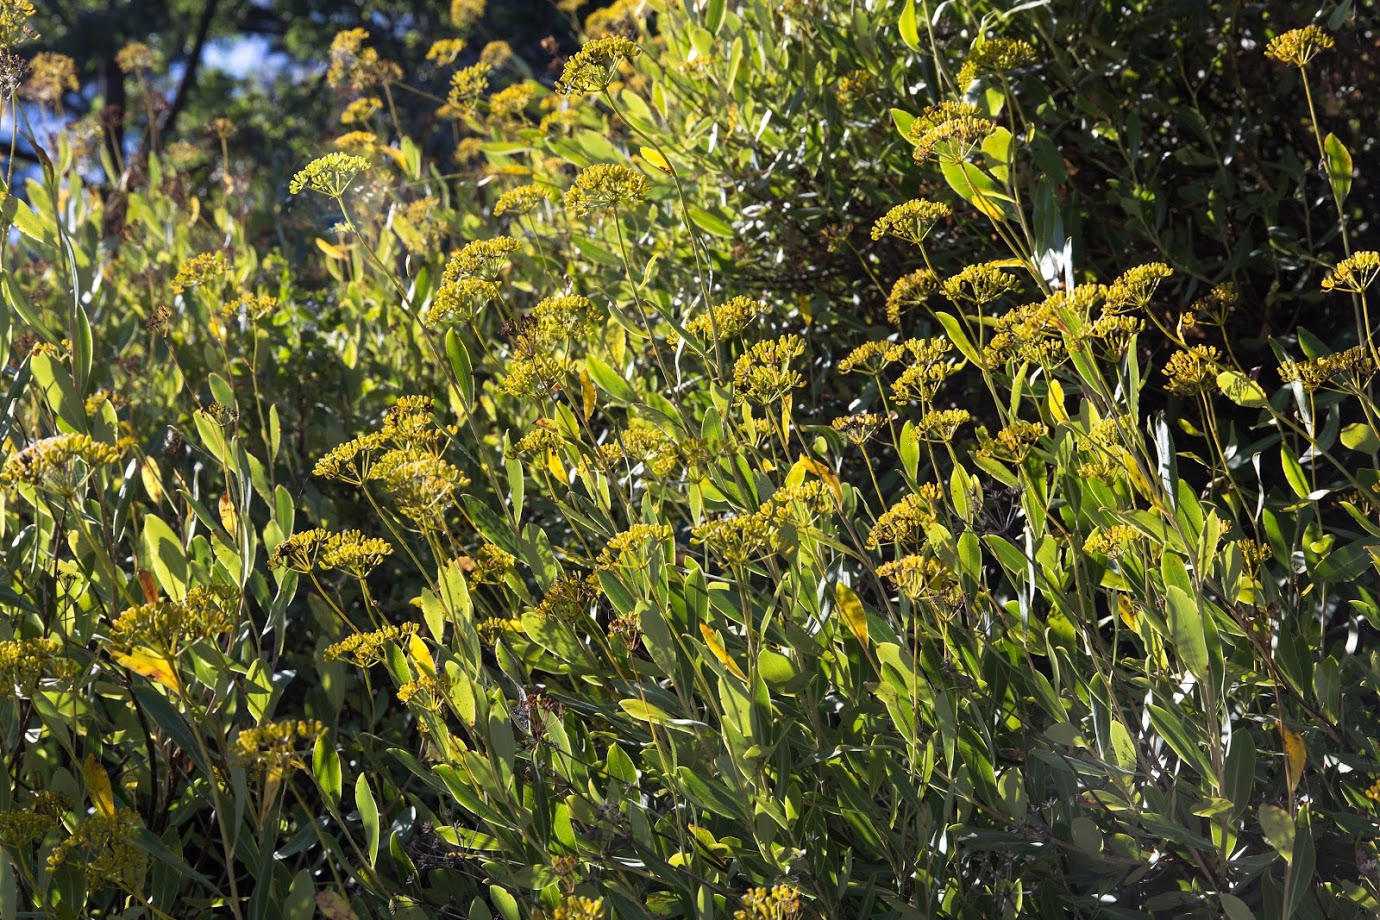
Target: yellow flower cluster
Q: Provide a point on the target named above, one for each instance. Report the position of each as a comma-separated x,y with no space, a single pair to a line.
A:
170,626
919,577
1298,46
24,663
50,77
471,280
1112,541
906,522
467,87
357,67
1193,371
920,381
522,200
570,598
511,102
1013,442
950,130
20,827
14,23
726,319
980,284
443,52
350,551
577,908
858,429
105,848
939,426
595,66
910,291
492,564
633,548
605,186
872,357
995,56
1134,288
1347,371
136,57
778,903
1353,274
361,110
275,747
739,539
365,650
564,318
58,464
911,221
797,505
198,270
763,375
329,175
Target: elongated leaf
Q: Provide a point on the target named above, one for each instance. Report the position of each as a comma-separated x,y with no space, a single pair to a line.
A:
1278,826
1186,628
1242,390
98,786
909,33
851,609
1338,161
369,815
325,766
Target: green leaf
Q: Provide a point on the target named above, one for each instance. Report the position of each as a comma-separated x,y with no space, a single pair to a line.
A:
58,390
959,336
909,33
1186,628
460,364
369,815
714,15
1242,390
775,668
609,380
903,121
1293,472
978,189
165,556
325,766
1278,826
710,223
300,903
644,711
1338,161
1360,437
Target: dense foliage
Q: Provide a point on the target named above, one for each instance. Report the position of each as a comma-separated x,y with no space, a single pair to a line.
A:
811,459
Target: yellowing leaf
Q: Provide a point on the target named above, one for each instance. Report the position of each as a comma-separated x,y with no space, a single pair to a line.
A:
557,468
711,639
1295,756
1056,402
333,906
229,518
851,608
421,655
810,465
331,250
654,157
152,665
587,393
98,786
1242,390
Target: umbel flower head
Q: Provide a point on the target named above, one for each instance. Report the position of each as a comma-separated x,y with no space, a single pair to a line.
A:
995,56
763,375
605,186
1353,274
911,221
14,23
51,76
779,903
950,130
595,66
522,200
329,175
1298,46
104,845
59,464
1193,371
467,87
728,319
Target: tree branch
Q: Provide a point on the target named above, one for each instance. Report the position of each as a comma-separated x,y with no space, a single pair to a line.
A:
189,74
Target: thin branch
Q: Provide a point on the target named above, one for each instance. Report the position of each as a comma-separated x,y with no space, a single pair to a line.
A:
189,74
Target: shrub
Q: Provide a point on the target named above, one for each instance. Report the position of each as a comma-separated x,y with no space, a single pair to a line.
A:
586,527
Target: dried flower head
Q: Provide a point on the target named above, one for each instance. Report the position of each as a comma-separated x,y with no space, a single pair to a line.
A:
1298,46
168,627
911,221
329,175
605,186
763,375
50,77
595,66
1353,274
570,598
